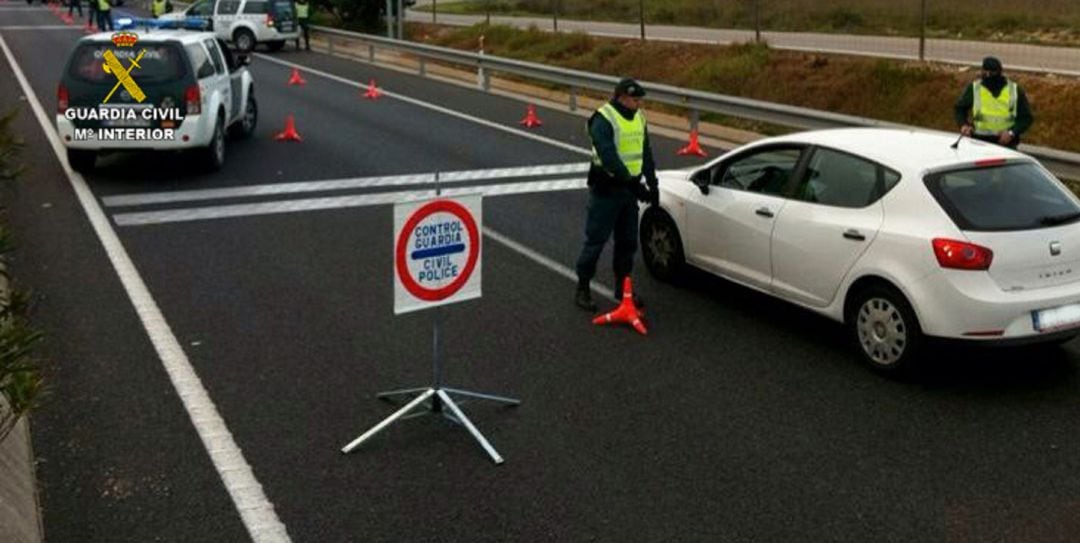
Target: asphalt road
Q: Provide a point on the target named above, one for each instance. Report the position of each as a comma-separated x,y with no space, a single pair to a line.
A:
1015,56
739,418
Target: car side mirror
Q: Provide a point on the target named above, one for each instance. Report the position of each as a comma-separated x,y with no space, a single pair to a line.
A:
701,179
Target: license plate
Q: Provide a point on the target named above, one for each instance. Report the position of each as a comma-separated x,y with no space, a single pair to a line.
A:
1057,318
286,27
140,123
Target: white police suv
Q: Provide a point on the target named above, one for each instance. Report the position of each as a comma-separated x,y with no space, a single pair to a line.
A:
246,23
155,90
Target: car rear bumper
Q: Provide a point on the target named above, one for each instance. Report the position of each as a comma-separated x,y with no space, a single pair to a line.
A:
192,133
969,305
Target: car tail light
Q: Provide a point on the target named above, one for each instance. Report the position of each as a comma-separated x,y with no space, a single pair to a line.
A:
62,99
269,20
961,255
193,98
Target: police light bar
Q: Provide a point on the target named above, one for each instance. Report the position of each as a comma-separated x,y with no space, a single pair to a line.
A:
187,23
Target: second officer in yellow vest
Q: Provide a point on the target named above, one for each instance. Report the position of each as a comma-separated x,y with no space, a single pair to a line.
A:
622,157
159,8
303,15
993,108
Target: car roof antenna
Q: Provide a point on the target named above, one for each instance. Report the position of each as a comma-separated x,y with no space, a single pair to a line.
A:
957,142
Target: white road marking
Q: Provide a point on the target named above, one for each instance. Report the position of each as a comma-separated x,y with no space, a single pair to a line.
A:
334,202
256,511
124,200
433,107
41,27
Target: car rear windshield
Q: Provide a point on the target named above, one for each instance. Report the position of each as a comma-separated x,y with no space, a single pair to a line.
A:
283,8
1017,196
162,62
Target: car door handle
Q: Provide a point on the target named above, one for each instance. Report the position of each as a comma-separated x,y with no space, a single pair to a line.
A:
855,235
764,212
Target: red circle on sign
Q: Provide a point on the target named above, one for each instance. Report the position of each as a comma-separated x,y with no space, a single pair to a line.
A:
410,284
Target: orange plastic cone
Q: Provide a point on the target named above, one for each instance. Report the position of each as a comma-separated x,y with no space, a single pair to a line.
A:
296,79
531,120
694,148
373,92
626,312
289,134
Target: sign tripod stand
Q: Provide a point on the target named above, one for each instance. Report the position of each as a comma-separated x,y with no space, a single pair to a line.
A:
436,398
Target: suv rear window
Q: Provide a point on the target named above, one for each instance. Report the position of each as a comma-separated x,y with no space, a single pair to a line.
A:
162,62
255,7
1017,196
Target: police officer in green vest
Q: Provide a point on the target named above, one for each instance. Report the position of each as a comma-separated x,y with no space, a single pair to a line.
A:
159,8
993,108
303,15
104,12
622,157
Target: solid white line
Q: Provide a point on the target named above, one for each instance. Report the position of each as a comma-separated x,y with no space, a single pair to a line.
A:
433,107
256,511
335,202
124,200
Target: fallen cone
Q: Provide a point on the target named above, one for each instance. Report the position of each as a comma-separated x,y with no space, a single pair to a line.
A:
290,133
296,79
373,92
627,311
531,120
694,148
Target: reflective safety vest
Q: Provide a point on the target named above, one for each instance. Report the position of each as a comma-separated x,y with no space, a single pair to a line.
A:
993,115
629,138
157,8
303,10
104,5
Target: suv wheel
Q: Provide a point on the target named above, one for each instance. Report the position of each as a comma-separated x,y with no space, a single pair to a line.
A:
244,40
883,326
246,125
81,161
661,246
214,154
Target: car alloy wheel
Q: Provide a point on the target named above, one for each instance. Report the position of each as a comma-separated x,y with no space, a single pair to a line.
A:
245,42
661,246
883,334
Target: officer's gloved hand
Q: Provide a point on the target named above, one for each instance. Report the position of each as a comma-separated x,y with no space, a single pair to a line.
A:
641,192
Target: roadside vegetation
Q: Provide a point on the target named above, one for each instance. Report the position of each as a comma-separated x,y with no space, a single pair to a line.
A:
919,94
20,381
1029,21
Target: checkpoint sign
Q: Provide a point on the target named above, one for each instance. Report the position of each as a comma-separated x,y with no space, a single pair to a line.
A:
436,252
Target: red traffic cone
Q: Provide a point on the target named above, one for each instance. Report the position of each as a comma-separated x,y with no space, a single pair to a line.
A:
373,92
694,148
531,120
626,312
289,134
296,79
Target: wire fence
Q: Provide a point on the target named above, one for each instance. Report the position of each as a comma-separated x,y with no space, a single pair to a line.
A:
1036,35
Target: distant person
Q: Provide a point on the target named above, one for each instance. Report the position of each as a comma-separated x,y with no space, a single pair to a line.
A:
303,14
160,7
105,23
73,5
993,108
621,158
91,13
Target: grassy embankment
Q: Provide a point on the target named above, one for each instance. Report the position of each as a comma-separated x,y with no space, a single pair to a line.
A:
905,92
1031,21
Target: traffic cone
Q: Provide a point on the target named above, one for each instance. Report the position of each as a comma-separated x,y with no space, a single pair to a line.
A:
531,120
626,312
373,92
694,148
289,134
296,79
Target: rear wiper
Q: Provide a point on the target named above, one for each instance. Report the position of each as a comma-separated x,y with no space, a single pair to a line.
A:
1054,220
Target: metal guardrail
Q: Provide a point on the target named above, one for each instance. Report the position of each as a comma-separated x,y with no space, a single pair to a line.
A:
695,101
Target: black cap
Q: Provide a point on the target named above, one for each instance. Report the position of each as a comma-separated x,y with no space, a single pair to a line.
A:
991,64
629,87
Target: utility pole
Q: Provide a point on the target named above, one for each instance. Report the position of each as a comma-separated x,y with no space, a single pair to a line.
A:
555,16
922,32
389,19
641,16
757,21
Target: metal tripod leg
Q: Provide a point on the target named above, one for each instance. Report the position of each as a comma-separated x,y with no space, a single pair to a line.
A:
469,426
478,395
429,392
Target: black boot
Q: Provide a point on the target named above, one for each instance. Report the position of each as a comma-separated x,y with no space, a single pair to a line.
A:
583,298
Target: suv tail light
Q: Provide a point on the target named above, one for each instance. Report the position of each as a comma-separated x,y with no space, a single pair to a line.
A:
269,20
193,100
961,255
62,99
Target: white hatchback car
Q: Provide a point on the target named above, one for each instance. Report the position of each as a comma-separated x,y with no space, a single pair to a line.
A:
895,233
